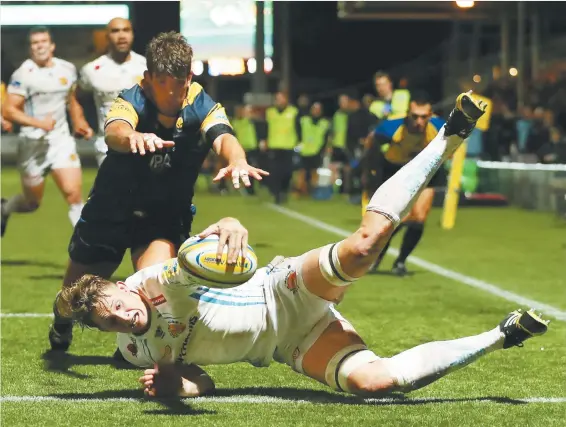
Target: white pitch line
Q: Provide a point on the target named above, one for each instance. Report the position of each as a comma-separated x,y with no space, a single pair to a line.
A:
548,310
281,400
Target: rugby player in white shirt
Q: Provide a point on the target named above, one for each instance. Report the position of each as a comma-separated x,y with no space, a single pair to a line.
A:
39,93
109,74
169,323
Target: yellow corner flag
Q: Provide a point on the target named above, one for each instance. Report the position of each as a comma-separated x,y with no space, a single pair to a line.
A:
453,190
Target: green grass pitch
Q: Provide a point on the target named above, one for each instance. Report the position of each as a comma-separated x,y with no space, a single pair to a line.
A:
522,252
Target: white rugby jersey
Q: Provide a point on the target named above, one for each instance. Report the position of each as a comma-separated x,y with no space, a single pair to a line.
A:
107,78
195,324
46,90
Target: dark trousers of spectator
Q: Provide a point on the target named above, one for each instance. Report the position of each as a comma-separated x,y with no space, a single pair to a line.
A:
253,159
281,172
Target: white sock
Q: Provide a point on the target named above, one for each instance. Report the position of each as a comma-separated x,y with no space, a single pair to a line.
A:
395,197
17,203
426,363
75,212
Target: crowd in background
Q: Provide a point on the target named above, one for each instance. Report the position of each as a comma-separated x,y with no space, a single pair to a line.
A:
537,130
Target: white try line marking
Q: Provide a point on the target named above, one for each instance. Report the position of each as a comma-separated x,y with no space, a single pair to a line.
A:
548,310
281,400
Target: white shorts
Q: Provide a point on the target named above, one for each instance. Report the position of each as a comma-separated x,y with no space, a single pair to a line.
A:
300,316
37,157
100,149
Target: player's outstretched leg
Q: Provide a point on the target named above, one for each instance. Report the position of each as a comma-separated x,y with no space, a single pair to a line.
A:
328,271
426,363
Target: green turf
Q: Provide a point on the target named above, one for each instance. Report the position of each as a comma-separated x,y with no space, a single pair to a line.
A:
519,251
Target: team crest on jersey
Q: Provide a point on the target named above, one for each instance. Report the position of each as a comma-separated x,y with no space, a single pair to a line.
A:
63,81
133,348
170,269
159,333
179,124
158,300
291,281
176,328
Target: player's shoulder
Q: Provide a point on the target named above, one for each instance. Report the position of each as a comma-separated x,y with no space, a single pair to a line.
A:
26,68
95,64
195,94
135,96
138,59
387,128
65,65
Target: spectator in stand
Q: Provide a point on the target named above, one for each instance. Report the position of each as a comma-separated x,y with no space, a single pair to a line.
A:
553,151
367,100
524,124
303,104
539,133
360,123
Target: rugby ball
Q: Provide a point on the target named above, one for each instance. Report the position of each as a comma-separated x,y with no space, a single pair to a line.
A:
198,258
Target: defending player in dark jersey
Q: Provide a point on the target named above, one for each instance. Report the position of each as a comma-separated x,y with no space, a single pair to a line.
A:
391,146
158,134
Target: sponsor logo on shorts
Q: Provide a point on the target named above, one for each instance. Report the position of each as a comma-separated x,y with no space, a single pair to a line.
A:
73,157
63,81
176,328
159,333
291,281
158,300
192,322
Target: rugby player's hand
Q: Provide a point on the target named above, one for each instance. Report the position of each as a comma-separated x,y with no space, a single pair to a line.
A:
240,170
7,126
83,130
232,234
47,123
142,142
162,381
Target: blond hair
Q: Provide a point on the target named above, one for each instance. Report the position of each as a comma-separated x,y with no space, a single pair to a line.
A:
79,300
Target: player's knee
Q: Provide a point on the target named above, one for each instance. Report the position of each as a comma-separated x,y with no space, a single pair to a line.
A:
370,240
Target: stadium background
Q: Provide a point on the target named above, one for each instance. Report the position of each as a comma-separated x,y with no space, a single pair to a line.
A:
464,280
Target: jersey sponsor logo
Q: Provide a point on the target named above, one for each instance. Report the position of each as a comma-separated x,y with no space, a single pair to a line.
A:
159,333
63,81
176,328
291,282
192,322
158,300
15,83
160,162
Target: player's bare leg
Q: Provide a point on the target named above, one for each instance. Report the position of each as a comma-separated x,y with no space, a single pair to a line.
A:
328,271
27,201
69,181
340,358
156,252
